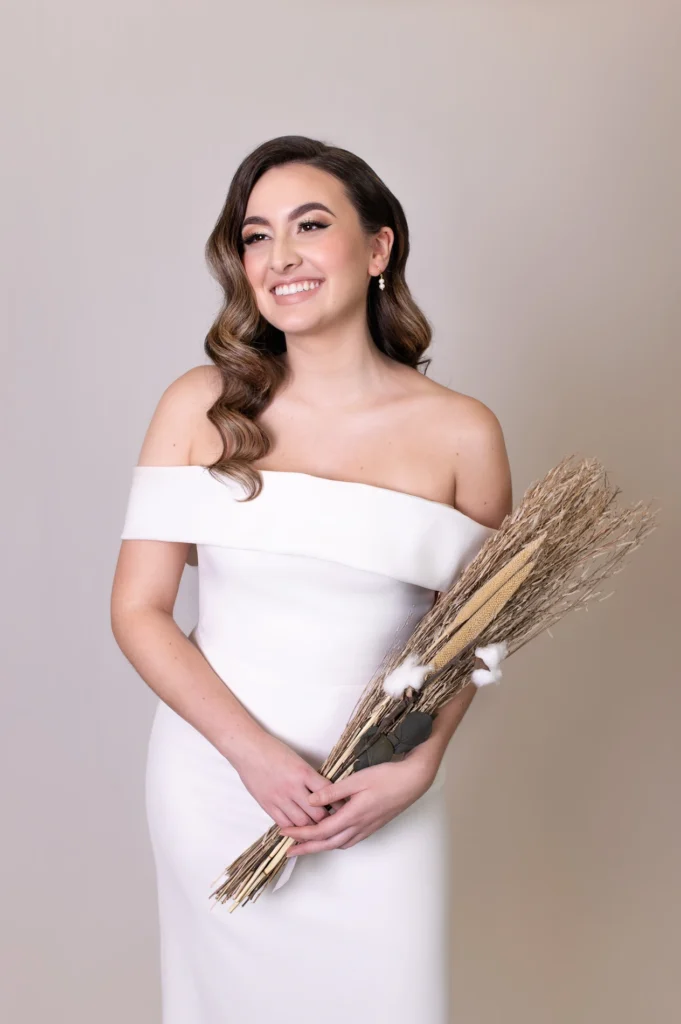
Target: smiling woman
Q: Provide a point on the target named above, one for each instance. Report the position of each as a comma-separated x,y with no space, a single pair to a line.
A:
300,211
331,491
335,249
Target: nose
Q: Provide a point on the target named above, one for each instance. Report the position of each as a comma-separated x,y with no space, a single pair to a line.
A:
283,254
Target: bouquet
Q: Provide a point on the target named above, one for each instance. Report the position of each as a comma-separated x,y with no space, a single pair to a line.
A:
548,557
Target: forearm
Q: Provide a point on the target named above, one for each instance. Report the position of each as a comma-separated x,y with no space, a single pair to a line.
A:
445,724
176,670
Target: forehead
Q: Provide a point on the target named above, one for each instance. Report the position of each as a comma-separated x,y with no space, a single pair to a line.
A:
284,187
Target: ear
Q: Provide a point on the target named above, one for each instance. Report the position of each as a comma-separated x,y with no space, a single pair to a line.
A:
381,247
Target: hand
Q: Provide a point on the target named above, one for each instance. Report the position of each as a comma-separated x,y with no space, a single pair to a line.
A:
373,796
282,782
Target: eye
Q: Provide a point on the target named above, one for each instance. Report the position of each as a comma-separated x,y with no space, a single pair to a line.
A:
312,224
248,240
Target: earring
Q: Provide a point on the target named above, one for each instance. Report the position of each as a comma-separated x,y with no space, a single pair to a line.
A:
381,282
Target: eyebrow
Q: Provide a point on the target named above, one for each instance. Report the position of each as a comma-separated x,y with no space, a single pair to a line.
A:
292,215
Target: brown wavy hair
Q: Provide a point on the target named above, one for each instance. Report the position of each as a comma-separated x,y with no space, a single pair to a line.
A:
246,348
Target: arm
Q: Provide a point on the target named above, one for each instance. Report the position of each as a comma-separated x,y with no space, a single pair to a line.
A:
145,585
144,591
483,492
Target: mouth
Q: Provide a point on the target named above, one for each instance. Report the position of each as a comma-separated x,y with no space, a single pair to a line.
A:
298,291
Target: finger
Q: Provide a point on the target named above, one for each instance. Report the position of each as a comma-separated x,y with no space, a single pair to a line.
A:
331,825
332,808
297,814
280,819
314,814
335,806
314,783
333,791
334,843
357,838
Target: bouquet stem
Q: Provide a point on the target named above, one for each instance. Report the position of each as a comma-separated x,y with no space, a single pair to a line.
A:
539,564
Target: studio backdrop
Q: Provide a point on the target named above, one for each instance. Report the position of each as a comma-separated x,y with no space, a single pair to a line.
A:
535,148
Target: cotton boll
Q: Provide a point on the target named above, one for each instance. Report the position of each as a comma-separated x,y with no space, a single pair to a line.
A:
409,673
483,676
492,656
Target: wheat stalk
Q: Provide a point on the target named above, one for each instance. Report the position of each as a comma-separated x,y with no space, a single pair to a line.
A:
548,557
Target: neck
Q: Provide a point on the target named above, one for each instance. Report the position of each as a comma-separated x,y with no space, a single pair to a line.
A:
338,368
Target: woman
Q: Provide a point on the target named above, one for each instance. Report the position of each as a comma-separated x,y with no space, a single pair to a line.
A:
331,490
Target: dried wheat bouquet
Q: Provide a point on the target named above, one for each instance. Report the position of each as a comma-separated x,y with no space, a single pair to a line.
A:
548,557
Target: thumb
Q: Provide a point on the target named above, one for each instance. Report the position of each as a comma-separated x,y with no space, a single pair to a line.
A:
333,791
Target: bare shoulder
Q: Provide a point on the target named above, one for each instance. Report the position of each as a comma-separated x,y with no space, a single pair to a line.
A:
470,420
473,437
179,417
461,417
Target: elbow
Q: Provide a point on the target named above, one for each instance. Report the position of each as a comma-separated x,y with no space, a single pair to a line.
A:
120,620
125,617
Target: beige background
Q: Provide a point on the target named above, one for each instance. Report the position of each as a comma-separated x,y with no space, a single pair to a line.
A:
536,149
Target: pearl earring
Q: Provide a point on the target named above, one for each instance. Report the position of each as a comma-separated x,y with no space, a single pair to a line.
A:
381,282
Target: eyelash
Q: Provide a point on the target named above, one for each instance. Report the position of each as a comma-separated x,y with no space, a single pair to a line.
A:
258,234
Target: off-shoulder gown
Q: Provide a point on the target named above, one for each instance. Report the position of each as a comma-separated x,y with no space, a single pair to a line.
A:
302,592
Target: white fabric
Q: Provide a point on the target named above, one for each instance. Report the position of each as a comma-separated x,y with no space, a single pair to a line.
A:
302,593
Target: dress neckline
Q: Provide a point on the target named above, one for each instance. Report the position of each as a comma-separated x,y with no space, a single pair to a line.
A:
326,480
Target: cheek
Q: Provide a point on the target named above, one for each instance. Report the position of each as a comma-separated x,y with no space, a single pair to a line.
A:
250,263
330,249
254,265
255,272
340,258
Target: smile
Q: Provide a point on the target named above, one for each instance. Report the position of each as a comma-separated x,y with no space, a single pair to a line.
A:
297,288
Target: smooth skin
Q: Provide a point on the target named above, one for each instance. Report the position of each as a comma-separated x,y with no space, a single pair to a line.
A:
348,412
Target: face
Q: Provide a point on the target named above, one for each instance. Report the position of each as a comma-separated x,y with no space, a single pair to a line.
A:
301,230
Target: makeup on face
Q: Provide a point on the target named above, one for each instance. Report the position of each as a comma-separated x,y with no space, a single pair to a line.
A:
291,289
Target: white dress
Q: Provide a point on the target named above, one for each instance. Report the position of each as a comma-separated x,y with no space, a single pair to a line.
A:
302,592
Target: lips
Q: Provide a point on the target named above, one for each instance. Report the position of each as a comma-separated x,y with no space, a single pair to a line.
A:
297,280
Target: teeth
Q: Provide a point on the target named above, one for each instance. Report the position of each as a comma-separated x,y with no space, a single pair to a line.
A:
300,286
